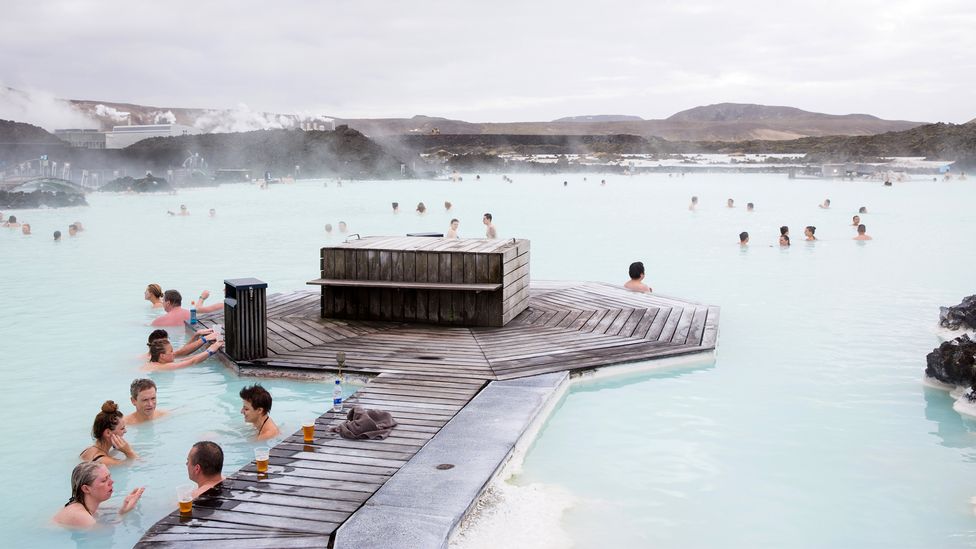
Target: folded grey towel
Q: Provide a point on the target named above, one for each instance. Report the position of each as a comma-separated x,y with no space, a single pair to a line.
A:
362,423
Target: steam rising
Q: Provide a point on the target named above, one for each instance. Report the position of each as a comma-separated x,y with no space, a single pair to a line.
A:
42,109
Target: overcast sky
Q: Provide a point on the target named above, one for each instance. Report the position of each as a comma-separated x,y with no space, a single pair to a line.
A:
500,60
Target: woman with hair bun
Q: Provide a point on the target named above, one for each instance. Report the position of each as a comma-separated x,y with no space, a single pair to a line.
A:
108,431
91,485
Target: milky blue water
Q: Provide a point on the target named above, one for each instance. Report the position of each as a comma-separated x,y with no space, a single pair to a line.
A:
810,429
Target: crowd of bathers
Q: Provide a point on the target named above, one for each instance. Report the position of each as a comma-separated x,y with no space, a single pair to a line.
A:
25,228
91,480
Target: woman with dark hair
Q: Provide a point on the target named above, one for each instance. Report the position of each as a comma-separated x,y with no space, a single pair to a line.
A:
108,430
162,357
91,485
154,295
256,407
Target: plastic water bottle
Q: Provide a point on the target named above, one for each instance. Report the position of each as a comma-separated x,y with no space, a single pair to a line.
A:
337,397
193,312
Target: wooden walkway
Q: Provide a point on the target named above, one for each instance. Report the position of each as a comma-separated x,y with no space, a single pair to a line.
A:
310,489
424,375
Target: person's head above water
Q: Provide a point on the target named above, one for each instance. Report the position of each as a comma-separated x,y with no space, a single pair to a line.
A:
784,230
862,228
784,240
636,270
486,219
328,227
730,203
57,236
396,206
743,237
108,419
342,226
172,300
161,351
421,208
694,200
156,335
856,220
750,206
862,210
810,229
447,205
257,402
206,459
154,291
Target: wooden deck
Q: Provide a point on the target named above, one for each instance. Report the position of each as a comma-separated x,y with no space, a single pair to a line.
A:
424,375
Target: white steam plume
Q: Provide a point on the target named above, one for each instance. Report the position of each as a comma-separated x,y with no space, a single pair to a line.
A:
41,109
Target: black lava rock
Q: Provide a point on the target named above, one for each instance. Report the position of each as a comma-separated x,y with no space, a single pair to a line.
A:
959,316
953,362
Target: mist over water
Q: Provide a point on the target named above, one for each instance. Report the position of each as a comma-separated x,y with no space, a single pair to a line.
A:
810,429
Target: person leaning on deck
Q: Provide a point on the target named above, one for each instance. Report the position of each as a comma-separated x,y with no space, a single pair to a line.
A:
175,315
108,430
162,357
256,409
636,282
91,485
201,337
204,465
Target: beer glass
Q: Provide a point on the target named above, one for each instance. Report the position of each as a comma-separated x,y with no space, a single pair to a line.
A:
184,494
261,458
308,430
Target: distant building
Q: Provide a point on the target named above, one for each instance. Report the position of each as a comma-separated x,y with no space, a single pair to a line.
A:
122,136
81,138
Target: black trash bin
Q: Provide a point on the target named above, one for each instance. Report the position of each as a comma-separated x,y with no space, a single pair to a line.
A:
245,319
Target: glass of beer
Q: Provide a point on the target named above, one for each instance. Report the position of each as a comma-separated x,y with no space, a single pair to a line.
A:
308,430
261,458
184,494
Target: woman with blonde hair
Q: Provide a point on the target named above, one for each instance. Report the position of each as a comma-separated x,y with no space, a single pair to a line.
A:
154,295
91,485
108,430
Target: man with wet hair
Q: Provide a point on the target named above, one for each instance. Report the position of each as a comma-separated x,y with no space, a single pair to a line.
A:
205,465
490,233
452,231
142,394
855,221
862,233
175,315
743,238
636,282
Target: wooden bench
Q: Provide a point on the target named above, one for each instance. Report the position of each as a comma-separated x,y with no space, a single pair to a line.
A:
397,285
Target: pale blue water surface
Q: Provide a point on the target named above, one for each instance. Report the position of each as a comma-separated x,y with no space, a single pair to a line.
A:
810,429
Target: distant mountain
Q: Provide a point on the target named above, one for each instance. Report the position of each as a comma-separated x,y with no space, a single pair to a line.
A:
747,112
600,118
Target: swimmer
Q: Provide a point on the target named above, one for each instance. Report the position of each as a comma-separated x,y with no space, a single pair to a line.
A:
565,183
477,178
694,201
452,231
154,295
603,182
862,233
784,240
57,236
204,466
175,315
490,233
163,358
862,210
826,204
142,394
808,232
750,207
447,206
328,228
72,230
784,230
636,282
25,228
421,208
255,409
200,338
12,222
78,226
855,221
342,227
743,238
91,485
730,203
108,430
396,207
